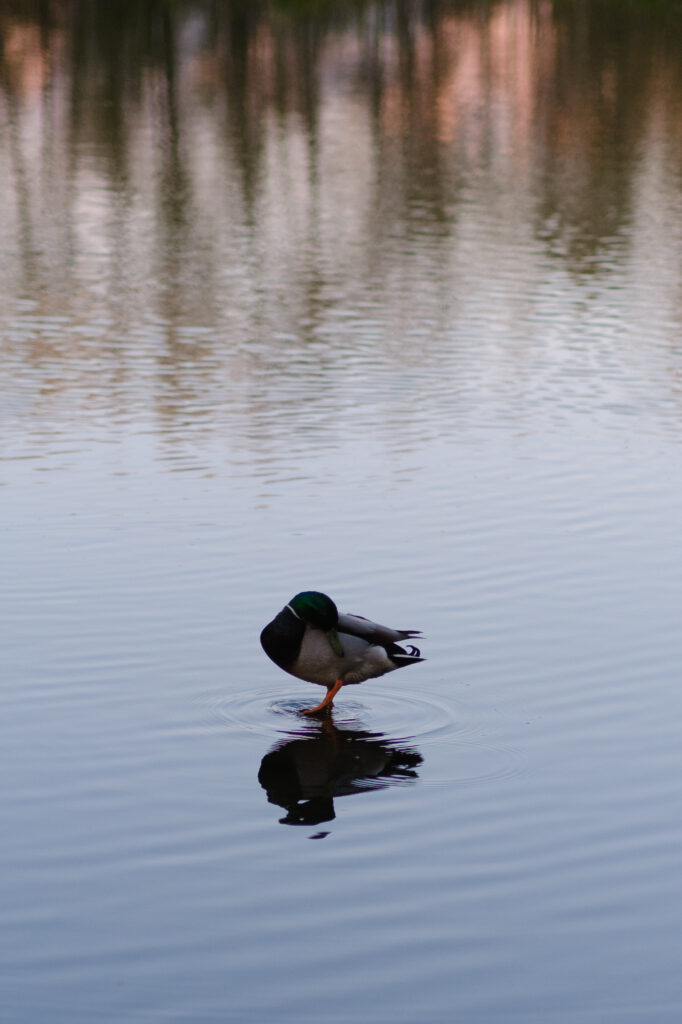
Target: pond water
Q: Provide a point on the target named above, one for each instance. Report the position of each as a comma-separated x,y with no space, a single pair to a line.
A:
383,300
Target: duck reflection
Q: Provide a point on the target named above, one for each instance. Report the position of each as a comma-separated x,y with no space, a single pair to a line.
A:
305,774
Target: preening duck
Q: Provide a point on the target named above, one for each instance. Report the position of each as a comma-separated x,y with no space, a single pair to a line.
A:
312,641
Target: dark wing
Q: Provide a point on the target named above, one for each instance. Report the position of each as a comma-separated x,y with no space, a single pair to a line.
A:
372,632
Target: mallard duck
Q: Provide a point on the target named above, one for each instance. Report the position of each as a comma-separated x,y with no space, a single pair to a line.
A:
310,640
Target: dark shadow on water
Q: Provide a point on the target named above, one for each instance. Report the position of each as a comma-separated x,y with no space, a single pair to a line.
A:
304,775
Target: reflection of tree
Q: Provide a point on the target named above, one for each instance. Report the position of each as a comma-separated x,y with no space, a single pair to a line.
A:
434,76
220,183
304,775
607,75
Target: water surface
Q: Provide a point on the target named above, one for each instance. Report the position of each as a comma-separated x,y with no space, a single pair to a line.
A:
383,300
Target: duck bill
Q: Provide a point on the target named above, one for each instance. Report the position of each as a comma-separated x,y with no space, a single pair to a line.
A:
334,642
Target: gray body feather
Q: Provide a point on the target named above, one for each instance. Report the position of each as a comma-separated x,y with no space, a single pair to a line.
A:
369,650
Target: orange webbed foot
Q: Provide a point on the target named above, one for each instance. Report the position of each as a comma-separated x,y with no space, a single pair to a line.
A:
328,700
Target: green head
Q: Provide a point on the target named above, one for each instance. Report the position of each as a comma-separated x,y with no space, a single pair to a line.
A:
320,612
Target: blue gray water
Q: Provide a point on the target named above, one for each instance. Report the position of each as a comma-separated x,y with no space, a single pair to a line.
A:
388,307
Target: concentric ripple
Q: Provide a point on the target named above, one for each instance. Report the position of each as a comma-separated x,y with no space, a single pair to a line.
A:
453,731
395,714
467,762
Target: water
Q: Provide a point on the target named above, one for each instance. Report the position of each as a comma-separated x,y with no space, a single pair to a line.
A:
381,300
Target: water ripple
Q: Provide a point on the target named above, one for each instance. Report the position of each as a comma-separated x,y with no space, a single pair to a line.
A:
461,754
407,716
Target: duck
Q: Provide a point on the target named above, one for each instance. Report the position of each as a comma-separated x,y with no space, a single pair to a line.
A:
311,640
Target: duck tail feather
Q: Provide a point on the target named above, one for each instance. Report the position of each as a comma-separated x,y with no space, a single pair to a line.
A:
405,657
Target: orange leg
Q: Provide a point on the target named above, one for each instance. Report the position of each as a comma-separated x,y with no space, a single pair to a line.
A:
328,700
